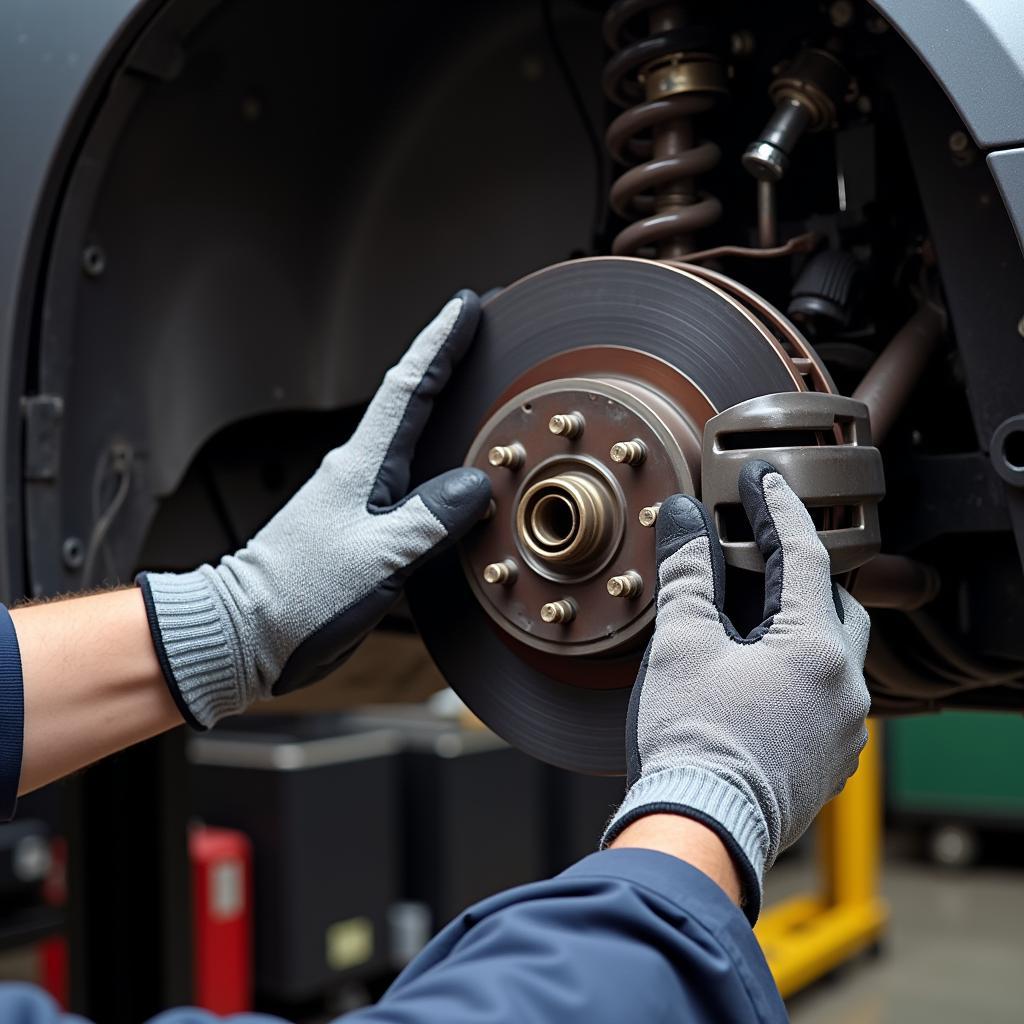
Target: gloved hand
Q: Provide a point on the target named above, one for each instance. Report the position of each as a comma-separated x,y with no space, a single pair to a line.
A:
301,595
748,735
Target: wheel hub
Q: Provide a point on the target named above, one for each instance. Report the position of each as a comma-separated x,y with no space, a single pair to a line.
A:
572,463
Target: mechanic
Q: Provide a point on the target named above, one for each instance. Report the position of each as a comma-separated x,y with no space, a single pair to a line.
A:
734,743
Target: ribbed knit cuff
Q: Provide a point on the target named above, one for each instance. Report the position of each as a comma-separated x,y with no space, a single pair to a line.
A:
196,645
700,794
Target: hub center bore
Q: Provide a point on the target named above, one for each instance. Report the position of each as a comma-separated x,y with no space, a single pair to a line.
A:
552,522
566,521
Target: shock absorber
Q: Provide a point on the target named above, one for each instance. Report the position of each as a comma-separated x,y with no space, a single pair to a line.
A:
664,71
808,95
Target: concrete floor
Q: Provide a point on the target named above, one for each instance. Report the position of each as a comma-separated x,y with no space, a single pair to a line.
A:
954,951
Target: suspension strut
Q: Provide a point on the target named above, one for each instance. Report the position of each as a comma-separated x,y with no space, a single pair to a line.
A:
663,71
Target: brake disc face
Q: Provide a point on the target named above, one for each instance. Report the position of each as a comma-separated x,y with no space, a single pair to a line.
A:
584,399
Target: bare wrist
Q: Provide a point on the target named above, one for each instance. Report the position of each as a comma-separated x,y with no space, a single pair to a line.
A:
688,840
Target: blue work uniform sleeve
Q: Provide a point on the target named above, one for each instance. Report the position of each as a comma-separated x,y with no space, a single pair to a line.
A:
12,716
625,935
21,1003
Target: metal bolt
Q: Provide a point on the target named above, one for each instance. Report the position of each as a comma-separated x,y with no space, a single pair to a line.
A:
567,424
629,584
742,43
841,13
501,572
559,612
958,142
509,456
94,260
649,515
630,452
73,552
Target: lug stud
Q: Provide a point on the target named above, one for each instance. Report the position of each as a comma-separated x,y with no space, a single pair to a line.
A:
507,456
567,424
649,515
559,612
630,452
501,572
629,584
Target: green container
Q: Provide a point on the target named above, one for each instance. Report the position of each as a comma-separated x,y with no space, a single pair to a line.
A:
957,764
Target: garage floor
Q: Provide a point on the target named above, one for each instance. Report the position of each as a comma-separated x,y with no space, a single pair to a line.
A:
954,950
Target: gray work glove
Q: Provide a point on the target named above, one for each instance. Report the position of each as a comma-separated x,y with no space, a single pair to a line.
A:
301,595
749,735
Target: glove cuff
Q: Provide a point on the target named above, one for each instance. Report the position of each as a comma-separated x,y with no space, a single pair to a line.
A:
196,644
702,795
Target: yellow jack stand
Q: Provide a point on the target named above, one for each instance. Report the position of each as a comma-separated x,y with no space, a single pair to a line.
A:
807,936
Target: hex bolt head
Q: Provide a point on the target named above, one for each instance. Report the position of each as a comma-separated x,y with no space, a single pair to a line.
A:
507,456
559,612
649,515
505,571
632,453
629,584
567,424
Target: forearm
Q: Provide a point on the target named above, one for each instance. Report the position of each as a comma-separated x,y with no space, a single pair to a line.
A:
92,683
688,840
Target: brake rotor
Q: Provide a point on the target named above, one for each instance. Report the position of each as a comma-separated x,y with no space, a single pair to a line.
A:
584,398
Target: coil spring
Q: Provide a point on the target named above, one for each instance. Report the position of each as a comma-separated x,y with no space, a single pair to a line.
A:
663,79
